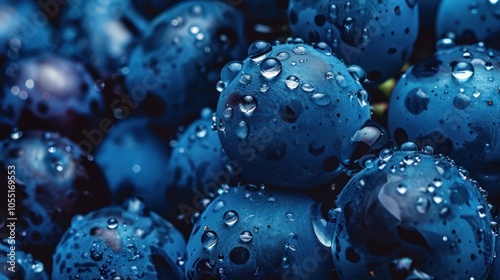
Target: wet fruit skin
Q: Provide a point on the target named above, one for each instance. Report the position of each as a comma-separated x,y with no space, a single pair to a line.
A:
196,169
174,70
127,242
52,92
134,159
469,21
25,267
377,35
24,29
449,101
54,181
258,234
412,214
101,33
287,112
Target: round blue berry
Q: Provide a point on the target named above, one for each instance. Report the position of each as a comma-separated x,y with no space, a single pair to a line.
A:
126,242
52,92
378,36
260,233
449,101
174,70
412,214
288,111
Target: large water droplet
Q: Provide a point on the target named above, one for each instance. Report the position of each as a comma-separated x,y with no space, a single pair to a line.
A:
209,239
231,217
341,81
228,113
248,104
307,87
230,71
444,44
112,223
270,68
246,236
292,82
323,47
282,56
320,99
300,50
357,73
259,50
363,97
242,129
333,12
322,229
461,101
462,71
416,101
264,87
422,204
245,79
349,31
16,134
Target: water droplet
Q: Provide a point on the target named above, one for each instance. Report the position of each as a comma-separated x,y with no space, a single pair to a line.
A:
228,113
220,86
230,71
421,205
416,101
300,50
245,79
409,147
270,68
333,12
135,205
444,44
284,262
231,217
323,47
242,129
341,81
349,32
209,239
247,105
290,216
58,166
481,210
320,99
112,223
51,147
322,230
246,236
363,97
488,65
495,228
307,88
357,73
292,82
461,101
99,85
385,154
462,71
16,134
282,56
259,50
219,204
264,87
437,199
201,131
476,93
329,75
401,189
